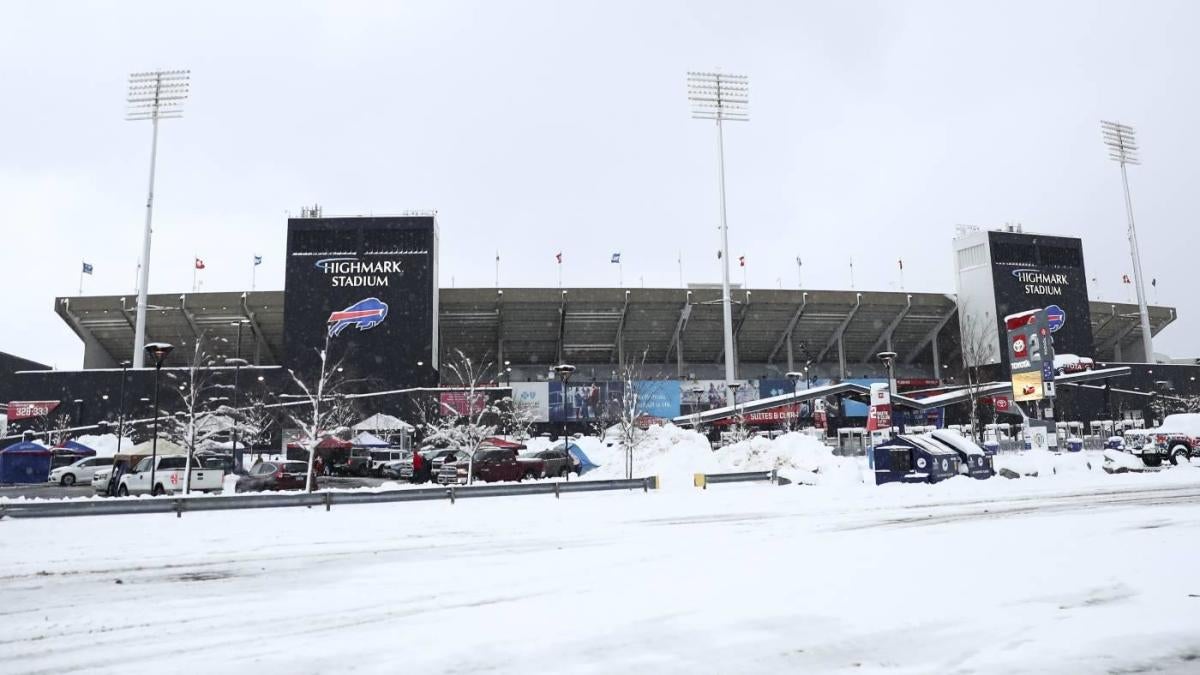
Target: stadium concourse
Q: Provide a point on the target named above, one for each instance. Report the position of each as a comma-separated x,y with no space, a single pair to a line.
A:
836,332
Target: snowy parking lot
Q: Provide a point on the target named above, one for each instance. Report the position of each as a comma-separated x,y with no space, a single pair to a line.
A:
1073,573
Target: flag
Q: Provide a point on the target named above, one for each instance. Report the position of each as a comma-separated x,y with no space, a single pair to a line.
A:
497,256
616,257
199,264
718,255
1154,283
901,263
798,263
1125,279
741,261
558,257
257,260
87,268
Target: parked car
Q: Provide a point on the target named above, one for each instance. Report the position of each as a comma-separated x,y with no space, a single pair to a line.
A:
490,464
420,466
351,462
274,476
168,477
392,469
381,456
1176,439
218,460
548,463
80,472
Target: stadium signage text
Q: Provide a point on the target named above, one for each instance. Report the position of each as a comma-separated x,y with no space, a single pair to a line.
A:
355,273
1038,282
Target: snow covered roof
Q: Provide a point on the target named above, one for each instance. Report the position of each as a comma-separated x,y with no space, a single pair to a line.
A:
367,439
382,422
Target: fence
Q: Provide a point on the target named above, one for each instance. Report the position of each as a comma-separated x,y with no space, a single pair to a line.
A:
703,480
181,505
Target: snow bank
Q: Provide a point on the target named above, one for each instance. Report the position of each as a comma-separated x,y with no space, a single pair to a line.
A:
797,457
1044,463
105,445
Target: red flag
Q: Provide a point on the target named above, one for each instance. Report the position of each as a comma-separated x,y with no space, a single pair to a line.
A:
741,261
558,257
199,264
1125,278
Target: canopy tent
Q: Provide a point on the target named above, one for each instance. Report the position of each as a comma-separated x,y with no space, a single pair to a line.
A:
382,422
25,462
503,443
74,448
367,439
164,447
327,443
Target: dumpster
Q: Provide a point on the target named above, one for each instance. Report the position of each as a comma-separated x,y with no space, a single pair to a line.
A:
1114,443
973,460
913,459
991,447
1074,444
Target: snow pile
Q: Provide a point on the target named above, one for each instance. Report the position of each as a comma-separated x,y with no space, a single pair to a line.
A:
105,445
797,457
1044,463
669,452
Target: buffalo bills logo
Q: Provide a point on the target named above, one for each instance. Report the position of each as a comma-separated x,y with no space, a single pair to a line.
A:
365,314
1055,318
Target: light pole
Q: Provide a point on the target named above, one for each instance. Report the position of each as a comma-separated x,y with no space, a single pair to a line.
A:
889,362
1122,148
737,419
565,371
152,96
237,362
159,352
720,97
121,407
794,376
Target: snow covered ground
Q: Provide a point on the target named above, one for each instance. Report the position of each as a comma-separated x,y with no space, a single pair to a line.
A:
1078,572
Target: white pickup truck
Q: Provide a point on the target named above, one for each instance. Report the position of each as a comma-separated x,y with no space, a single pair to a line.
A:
168,477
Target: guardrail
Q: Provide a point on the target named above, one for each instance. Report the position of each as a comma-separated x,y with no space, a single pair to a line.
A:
326,498
703,480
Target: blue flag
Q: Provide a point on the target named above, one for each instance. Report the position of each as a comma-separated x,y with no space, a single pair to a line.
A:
258,260
616,257
87,268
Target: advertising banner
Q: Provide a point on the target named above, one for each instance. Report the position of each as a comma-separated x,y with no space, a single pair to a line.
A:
1030,355
658,398
584,401
23,410
461,402
701,395
534,395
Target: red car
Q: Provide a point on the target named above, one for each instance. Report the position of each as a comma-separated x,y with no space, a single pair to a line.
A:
491,464
285,475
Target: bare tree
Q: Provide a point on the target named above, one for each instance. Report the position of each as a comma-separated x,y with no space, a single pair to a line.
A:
630,408
322,408
197,421
517,416
978,346
466,422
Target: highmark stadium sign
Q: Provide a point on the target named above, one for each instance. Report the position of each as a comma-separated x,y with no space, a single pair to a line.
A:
358,273
1037,282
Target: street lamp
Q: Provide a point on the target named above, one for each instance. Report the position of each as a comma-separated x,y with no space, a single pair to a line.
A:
737,418
1122,148
237,362
152,96
720,97
564,372
159,352
795,376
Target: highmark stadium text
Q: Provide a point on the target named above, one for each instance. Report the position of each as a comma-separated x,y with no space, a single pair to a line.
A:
355,273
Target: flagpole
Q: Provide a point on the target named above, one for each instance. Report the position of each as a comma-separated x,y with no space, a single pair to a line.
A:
194,268
497,268
799,273
680,261
620,274
253,273
851,272
81,279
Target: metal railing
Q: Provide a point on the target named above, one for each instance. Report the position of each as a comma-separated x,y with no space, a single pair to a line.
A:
326,498
703,480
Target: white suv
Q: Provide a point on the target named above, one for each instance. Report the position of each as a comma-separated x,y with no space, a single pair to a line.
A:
79,473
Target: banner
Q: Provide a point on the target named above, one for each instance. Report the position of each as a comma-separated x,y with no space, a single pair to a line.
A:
584,401
1031,355
23,410
658,398
701,395
461,402
535,395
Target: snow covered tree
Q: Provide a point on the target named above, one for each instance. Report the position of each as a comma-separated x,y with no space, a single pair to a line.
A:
323,410
517,416
199,418
463,417
630,408
978,345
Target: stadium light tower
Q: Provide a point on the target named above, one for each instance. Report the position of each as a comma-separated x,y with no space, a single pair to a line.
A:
1122,149
155,95
721,97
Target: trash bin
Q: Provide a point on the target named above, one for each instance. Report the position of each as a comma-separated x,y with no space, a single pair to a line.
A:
991,447
1074,444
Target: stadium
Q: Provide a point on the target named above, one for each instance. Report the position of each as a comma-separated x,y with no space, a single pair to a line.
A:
673,337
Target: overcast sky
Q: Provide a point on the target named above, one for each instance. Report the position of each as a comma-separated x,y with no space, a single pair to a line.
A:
535,127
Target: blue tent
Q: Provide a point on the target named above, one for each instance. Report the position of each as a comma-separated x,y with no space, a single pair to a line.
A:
25,463
76,448
585,464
